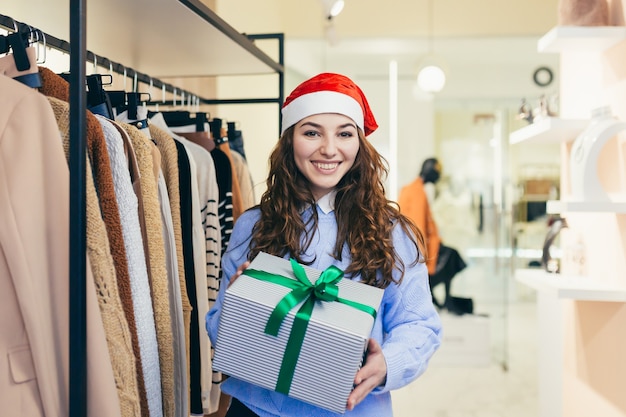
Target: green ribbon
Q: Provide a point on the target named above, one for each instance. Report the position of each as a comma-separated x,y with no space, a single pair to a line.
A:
324,289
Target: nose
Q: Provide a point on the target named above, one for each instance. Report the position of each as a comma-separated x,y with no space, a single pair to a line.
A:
328,146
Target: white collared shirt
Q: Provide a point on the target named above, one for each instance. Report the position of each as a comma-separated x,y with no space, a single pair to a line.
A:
327,202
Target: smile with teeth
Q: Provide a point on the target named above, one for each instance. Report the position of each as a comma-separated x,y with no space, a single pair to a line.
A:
326,166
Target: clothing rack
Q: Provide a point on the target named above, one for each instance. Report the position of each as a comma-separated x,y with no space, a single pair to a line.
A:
79,55
78,212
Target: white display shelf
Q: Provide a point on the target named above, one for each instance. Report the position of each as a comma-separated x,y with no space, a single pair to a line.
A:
556,206
581,38
549,130
570,287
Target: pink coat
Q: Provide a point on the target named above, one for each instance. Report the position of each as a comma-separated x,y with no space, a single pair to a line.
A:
34,268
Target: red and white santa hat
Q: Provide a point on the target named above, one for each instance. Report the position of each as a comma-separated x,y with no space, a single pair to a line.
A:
328,93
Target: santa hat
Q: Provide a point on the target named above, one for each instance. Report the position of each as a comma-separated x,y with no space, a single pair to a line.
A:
328,93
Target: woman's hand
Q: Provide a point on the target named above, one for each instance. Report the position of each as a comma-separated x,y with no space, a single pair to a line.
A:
238,273
372,374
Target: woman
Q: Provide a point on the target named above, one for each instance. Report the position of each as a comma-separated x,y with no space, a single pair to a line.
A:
325,205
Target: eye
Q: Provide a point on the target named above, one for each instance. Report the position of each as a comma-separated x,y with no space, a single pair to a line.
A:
311,133
346,134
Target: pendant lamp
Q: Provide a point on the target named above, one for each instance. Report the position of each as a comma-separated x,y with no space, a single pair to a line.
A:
431,75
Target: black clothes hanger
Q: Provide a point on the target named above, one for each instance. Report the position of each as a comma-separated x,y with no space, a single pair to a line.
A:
122,101
132,102
235,138
216,131
98,101
231,130
16,43
117,98
177,118
201,120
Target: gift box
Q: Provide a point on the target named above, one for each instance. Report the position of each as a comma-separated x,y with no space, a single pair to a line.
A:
296,330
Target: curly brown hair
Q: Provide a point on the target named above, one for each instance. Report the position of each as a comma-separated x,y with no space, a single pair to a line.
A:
365,217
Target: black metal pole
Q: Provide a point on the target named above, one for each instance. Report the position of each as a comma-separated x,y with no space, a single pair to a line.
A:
280,37
78,254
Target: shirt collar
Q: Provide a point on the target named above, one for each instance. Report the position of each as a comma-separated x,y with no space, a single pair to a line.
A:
327,202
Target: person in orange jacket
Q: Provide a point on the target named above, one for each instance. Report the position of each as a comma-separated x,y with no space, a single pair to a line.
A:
443,262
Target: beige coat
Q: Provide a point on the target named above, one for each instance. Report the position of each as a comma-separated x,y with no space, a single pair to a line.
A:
34,268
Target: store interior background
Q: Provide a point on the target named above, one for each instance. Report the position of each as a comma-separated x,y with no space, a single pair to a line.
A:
492,364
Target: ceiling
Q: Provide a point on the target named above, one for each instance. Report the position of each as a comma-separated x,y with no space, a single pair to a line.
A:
489,47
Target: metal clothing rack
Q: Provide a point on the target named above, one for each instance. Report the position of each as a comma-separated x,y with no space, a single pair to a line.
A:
79,55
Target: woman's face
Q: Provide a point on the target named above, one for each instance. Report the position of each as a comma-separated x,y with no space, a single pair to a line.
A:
325,147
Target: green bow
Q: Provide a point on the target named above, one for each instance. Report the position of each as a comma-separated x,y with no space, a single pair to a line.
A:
324,289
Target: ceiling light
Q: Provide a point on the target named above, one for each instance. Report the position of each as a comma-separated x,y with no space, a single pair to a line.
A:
332,8
431,76
336,8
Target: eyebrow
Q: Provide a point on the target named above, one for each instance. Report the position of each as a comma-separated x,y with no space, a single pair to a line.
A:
316,125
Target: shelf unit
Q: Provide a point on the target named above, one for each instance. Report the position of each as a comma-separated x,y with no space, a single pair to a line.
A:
559,295
555,206
548,130
174,38
581,38
570,287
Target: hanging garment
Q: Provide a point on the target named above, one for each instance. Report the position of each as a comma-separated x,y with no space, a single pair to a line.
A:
123,162
179,375
207,250
115,302
225,205
136,117
144,151
197,133
169,380
245,180
220,136
54,85
169,155
200,145
186,208
34,242
206,255
234,180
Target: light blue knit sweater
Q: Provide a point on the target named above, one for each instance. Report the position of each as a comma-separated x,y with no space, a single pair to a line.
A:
407,326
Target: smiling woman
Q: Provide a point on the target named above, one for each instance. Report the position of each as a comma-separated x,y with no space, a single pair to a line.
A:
325,207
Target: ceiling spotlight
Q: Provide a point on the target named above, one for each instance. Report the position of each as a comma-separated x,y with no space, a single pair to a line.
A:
336,7
332,8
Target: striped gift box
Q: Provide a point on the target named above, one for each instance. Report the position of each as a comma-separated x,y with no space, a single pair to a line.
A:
332,348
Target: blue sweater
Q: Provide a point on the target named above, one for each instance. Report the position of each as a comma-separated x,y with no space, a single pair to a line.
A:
407,326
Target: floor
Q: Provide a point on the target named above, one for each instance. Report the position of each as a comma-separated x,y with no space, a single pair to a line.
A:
487,365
